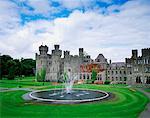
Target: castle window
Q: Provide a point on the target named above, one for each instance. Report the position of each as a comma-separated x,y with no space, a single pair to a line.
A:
148,80
112,72
125,78
80,76
84,76
120,79
112,78
108,72
120,72
138,79
116,72
116,78
124,72
88,77
135,69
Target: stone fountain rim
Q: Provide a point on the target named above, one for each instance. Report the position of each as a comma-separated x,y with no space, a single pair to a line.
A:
68,101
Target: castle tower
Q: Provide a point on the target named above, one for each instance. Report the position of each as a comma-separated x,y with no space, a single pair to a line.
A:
134,54
41,59
66,54
43,50
145,52
81,50
56,51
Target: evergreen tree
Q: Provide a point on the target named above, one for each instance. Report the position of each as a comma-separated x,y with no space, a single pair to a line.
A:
94,75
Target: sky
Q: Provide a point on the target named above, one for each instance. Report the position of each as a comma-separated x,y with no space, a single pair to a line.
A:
110,27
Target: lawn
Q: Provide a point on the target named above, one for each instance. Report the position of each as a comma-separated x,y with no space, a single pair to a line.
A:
147,90
127,103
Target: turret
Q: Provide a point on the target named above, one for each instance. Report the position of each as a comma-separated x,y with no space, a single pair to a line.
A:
110,61
134,53
145,52
56,47
81,54
43,50
56,51
66,54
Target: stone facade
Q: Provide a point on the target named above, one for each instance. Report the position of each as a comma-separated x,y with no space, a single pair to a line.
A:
117,72
56,65
138,67
134,70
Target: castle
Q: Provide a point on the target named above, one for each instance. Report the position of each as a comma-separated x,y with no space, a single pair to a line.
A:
133,70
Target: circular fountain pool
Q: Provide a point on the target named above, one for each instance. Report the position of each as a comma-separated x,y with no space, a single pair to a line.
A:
59,96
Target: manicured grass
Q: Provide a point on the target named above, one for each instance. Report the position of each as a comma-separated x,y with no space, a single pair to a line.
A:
25,82
147,90
127,103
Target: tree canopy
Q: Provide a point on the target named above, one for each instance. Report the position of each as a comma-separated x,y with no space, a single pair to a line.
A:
10,67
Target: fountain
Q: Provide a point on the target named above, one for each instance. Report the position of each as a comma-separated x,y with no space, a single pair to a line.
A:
68,95
69,81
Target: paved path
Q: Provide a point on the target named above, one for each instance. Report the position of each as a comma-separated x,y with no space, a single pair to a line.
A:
146,112
14,89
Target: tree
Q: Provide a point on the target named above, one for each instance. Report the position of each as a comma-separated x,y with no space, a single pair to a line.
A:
94,75
18,67
12,68
27,66
4,66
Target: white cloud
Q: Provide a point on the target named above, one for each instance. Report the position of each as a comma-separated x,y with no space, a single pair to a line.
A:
114,35
40,6
9,19
72,4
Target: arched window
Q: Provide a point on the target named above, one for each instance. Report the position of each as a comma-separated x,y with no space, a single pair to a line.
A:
120,79
138,80
148,80
84,76
88,76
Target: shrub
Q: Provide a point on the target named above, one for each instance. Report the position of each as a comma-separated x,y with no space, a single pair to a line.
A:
94,75
107,82
89,81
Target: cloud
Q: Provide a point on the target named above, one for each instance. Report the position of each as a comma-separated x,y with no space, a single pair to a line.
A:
9,19
73,4
114,34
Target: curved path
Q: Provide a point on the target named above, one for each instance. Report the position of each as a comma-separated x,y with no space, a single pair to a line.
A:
146,112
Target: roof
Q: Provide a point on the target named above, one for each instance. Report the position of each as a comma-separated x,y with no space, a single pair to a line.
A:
101,58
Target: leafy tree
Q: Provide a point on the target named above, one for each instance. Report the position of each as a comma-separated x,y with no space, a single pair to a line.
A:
27,66
12,68
4,66
18,67
94,75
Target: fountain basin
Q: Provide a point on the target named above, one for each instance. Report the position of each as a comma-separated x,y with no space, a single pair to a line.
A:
59,96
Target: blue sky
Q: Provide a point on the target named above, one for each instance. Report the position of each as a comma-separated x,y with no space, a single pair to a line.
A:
62,10
111,27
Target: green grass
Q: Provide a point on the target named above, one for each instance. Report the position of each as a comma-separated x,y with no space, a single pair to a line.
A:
127,104
25,82
147,90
